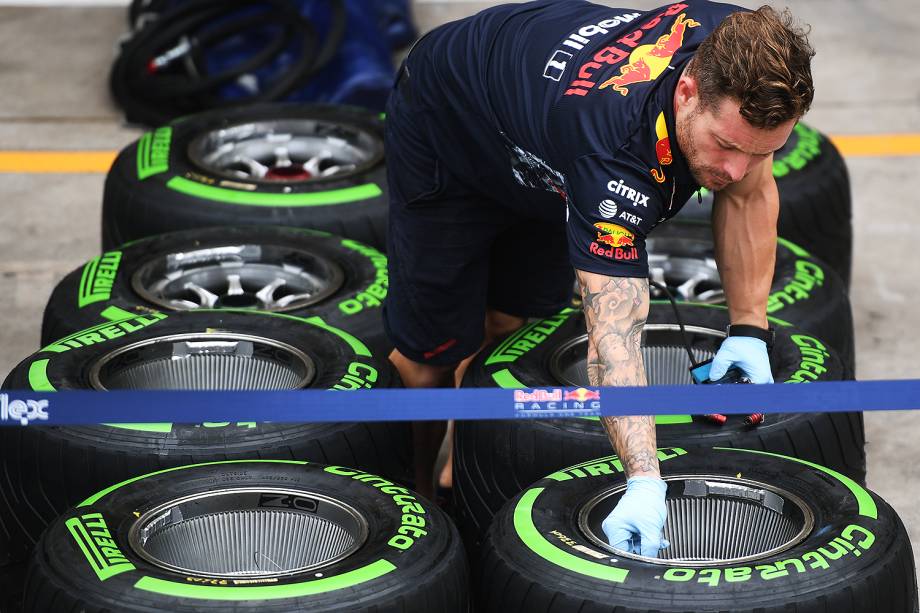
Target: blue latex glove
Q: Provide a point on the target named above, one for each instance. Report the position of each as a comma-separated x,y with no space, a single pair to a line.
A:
747,353
636,523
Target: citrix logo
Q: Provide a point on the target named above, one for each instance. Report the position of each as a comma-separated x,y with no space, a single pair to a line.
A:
22,411
621,189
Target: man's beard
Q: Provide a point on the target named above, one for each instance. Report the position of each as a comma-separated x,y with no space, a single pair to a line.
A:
703,175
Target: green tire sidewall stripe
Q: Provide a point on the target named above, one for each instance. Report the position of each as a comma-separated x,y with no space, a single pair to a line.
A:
114,313
164,587
38,370
529,535
867,506
356,345
232,196
38,376
349,579
796,249
159,428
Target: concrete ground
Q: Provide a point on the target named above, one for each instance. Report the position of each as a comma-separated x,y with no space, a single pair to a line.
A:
54,64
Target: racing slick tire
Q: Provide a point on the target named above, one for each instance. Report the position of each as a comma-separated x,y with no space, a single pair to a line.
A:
46,470
496,459
749,531
815,202
245,166
185,539
805,291
285,270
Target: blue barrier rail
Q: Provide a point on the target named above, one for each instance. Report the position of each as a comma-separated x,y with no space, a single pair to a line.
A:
87,407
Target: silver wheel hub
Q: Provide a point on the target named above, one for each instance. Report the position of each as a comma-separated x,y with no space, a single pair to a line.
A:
248,533
286,151
204,361
257,276
713,520
687,268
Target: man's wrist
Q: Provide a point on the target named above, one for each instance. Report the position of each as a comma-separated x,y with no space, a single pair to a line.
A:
767,335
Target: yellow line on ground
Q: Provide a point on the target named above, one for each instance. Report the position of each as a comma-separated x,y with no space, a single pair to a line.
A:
879,145
56,161
850,145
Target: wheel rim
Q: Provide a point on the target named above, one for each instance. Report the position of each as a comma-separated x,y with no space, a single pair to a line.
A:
249,276
248,532
198,361
663,353
286,151
687,268
713,520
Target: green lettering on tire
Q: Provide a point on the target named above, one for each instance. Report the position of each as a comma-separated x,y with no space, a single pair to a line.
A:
531,537
153,152
97,278
232,196
528,338
806,149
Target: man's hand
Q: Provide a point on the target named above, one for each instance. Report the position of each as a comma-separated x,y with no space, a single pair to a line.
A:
747,353
635,525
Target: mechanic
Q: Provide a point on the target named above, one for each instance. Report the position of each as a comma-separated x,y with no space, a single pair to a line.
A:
531,138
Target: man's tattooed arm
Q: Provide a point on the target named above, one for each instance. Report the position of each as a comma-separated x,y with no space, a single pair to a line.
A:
615,310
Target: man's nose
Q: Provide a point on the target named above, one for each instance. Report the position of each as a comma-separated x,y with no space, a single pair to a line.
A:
736,166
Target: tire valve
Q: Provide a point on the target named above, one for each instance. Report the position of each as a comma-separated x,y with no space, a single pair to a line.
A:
165,59
754,419
716,418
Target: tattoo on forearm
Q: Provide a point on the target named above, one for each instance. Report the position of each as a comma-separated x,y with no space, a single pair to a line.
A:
615,311
634,441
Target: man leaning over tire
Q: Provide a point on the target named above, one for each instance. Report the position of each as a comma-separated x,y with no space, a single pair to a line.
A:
533,137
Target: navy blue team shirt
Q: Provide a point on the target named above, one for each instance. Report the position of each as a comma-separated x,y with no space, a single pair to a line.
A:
563,110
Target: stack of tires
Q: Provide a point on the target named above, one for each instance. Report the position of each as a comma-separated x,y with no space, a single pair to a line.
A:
242,250
760,517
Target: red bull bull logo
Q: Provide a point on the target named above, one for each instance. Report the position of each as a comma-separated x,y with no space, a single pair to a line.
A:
647,62
614,235
662,148
581,394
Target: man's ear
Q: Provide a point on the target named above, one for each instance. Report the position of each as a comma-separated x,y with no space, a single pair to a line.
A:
686,94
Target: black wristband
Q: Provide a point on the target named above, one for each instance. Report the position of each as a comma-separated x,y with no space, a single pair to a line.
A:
766,336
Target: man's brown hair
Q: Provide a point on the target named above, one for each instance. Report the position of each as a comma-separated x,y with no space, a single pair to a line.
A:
762,60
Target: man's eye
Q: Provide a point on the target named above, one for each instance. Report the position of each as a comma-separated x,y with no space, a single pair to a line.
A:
724,146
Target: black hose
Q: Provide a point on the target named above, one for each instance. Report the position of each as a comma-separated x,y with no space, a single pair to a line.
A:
680,322
160,72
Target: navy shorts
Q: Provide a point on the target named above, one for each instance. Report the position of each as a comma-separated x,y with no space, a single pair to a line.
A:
454,251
